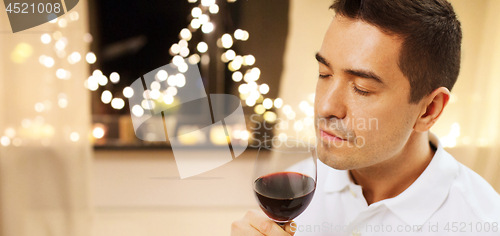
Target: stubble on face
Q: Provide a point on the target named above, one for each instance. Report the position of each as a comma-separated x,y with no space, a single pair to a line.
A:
352,44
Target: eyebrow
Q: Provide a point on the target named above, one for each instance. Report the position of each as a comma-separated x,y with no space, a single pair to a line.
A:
367,74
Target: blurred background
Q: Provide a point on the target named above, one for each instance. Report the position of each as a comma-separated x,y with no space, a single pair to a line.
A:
70,162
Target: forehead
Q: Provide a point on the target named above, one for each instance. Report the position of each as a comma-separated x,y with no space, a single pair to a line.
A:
355,44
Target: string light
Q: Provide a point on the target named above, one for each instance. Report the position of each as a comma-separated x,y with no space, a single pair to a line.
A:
268,103
303,105
207,27
155,94
162,75
214,9
106,97
238,60
227,40
287,109
310,111
137,110
245,36
168,99
251,92
155,85
250,102
243,89
62,23
238,34
98,132
278,102
244,135
308,121
117,103
194,59
180,80
171,81
87,38
90,57
61,73
270,116
195,23
202,47
298,126
172,91
45,38
249,60
74,136
57,35
224,58
252,86
74,16
74,57
204,19
48,62
207,3
230,54
62,103
128,92
183,67
184,52
196,12
5,141
259,109
175,49
237,76
114,77
264,88
92,84
102,80
60,45
183,43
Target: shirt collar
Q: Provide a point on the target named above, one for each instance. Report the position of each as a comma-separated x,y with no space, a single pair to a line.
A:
418,202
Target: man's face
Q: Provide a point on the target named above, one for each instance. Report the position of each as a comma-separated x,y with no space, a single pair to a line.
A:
362,109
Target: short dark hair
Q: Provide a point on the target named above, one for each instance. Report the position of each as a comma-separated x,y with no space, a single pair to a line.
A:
432,37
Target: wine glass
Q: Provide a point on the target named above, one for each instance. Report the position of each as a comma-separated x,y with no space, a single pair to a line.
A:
285,178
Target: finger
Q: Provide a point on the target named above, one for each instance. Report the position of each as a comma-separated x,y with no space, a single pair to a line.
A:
243,228
264,224
290,227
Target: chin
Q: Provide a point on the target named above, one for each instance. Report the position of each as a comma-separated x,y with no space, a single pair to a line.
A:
336,160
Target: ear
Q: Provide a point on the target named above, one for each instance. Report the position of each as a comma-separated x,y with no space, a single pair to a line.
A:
432,107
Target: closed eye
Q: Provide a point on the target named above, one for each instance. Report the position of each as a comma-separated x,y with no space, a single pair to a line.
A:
321,76
360,92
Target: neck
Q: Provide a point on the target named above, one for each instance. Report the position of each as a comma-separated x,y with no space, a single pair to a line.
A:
391,177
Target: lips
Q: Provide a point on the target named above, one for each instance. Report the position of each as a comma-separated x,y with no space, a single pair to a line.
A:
331,136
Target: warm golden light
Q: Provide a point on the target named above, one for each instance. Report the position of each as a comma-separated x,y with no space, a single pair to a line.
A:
106,97
114,77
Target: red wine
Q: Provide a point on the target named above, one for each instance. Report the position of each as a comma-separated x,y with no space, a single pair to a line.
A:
284,195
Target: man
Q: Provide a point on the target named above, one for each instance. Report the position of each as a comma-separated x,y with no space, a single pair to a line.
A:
393,62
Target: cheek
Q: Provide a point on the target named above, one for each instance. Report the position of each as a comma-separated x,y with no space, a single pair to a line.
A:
382,127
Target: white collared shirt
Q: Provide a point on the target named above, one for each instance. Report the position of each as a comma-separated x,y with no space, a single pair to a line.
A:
446,199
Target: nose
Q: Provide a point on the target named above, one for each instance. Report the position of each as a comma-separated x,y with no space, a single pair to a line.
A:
332,99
